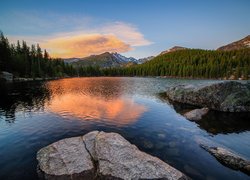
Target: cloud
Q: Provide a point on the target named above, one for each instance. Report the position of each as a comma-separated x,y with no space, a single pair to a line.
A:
127,32
84,45
75,36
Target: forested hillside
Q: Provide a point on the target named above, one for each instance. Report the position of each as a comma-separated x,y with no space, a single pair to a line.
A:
193,63
25,61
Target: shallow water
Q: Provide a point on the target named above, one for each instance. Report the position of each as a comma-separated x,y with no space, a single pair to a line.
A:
35,114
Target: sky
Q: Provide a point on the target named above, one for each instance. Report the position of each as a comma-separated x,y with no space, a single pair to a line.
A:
137,28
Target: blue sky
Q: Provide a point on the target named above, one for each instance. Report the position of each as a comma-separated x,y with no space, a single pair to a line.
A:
136,28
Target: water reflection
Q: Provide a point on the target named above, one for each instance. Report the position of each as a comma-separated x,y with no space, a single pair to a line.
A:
223,123
87,99
94,99
22,97
119,111
129,106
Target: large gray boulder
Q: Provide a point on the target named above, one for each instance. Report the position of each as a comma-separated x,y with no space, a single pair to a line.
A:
6,76
65,158
196,114
101,155
228,96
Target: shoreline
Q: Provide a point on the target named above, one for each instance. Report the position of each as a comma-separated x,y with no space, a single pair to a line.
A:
21,79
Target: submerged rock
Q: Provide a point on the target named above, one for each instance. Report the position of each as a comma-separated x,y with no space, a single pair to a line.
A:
196,114
193,171
148,144
101,155
6,76
228,96
229,158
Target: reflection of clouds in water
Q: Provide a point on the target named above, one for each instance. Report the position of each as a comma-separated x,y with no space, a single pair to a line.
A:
119,111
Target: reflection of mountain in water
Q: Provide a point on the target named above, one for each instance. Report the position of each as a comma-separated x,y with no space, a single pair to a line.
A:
216,122
16,97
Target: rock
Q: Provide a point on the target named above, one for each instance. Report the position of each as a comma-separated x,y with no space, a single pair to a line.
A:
161,135
196,114
247,168
193,171
172,151
172,144
148,144
229,158
160,145
65,158
101,155
228,96
118,158
89,141
6,76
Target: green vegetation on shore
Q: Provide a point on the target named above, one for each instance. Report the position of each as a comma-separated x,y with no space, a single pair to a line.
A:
193,63
25,61
31,62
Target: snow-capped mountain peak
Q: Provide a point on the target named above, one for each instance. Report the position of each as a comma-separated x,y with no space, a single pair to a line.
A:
122,58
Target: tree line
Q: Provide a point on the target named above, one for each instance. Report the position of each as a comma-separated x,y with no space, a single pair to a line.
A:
25,61
30,61
192,63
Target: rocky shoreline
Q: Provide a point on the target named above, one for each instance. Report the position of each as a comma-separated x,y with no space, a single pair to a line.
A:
100,155
227,96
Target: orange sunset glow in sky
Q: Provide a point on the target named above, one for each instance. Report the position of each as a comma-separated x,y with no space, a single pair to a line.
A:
136,29
110,37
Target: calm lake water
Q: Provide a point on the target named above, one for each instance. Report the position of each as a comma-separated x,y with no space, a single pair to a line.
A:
35,114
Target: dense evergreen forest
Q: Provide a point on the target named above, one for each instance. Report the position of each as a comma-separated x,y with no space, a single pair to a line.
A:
193,63
32,62
25,61
189,63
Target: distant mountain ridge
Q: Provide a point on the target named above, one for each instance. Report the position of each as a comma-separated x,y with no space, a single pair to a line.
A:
143,60
115,59
173,49
241,44
107,59
103,60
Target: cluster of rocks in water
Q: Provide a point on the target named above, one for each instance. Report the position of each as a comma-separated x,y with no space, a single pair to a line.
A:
227,96
100,155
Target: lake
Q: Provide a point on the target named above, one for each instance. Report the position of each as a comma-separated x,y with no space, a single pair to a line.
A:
35,114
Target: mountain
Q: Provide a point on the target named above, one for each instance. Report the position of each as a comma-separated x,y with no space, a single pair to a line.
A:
241,44
103,60
124,59
71,60
173,49
143,60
